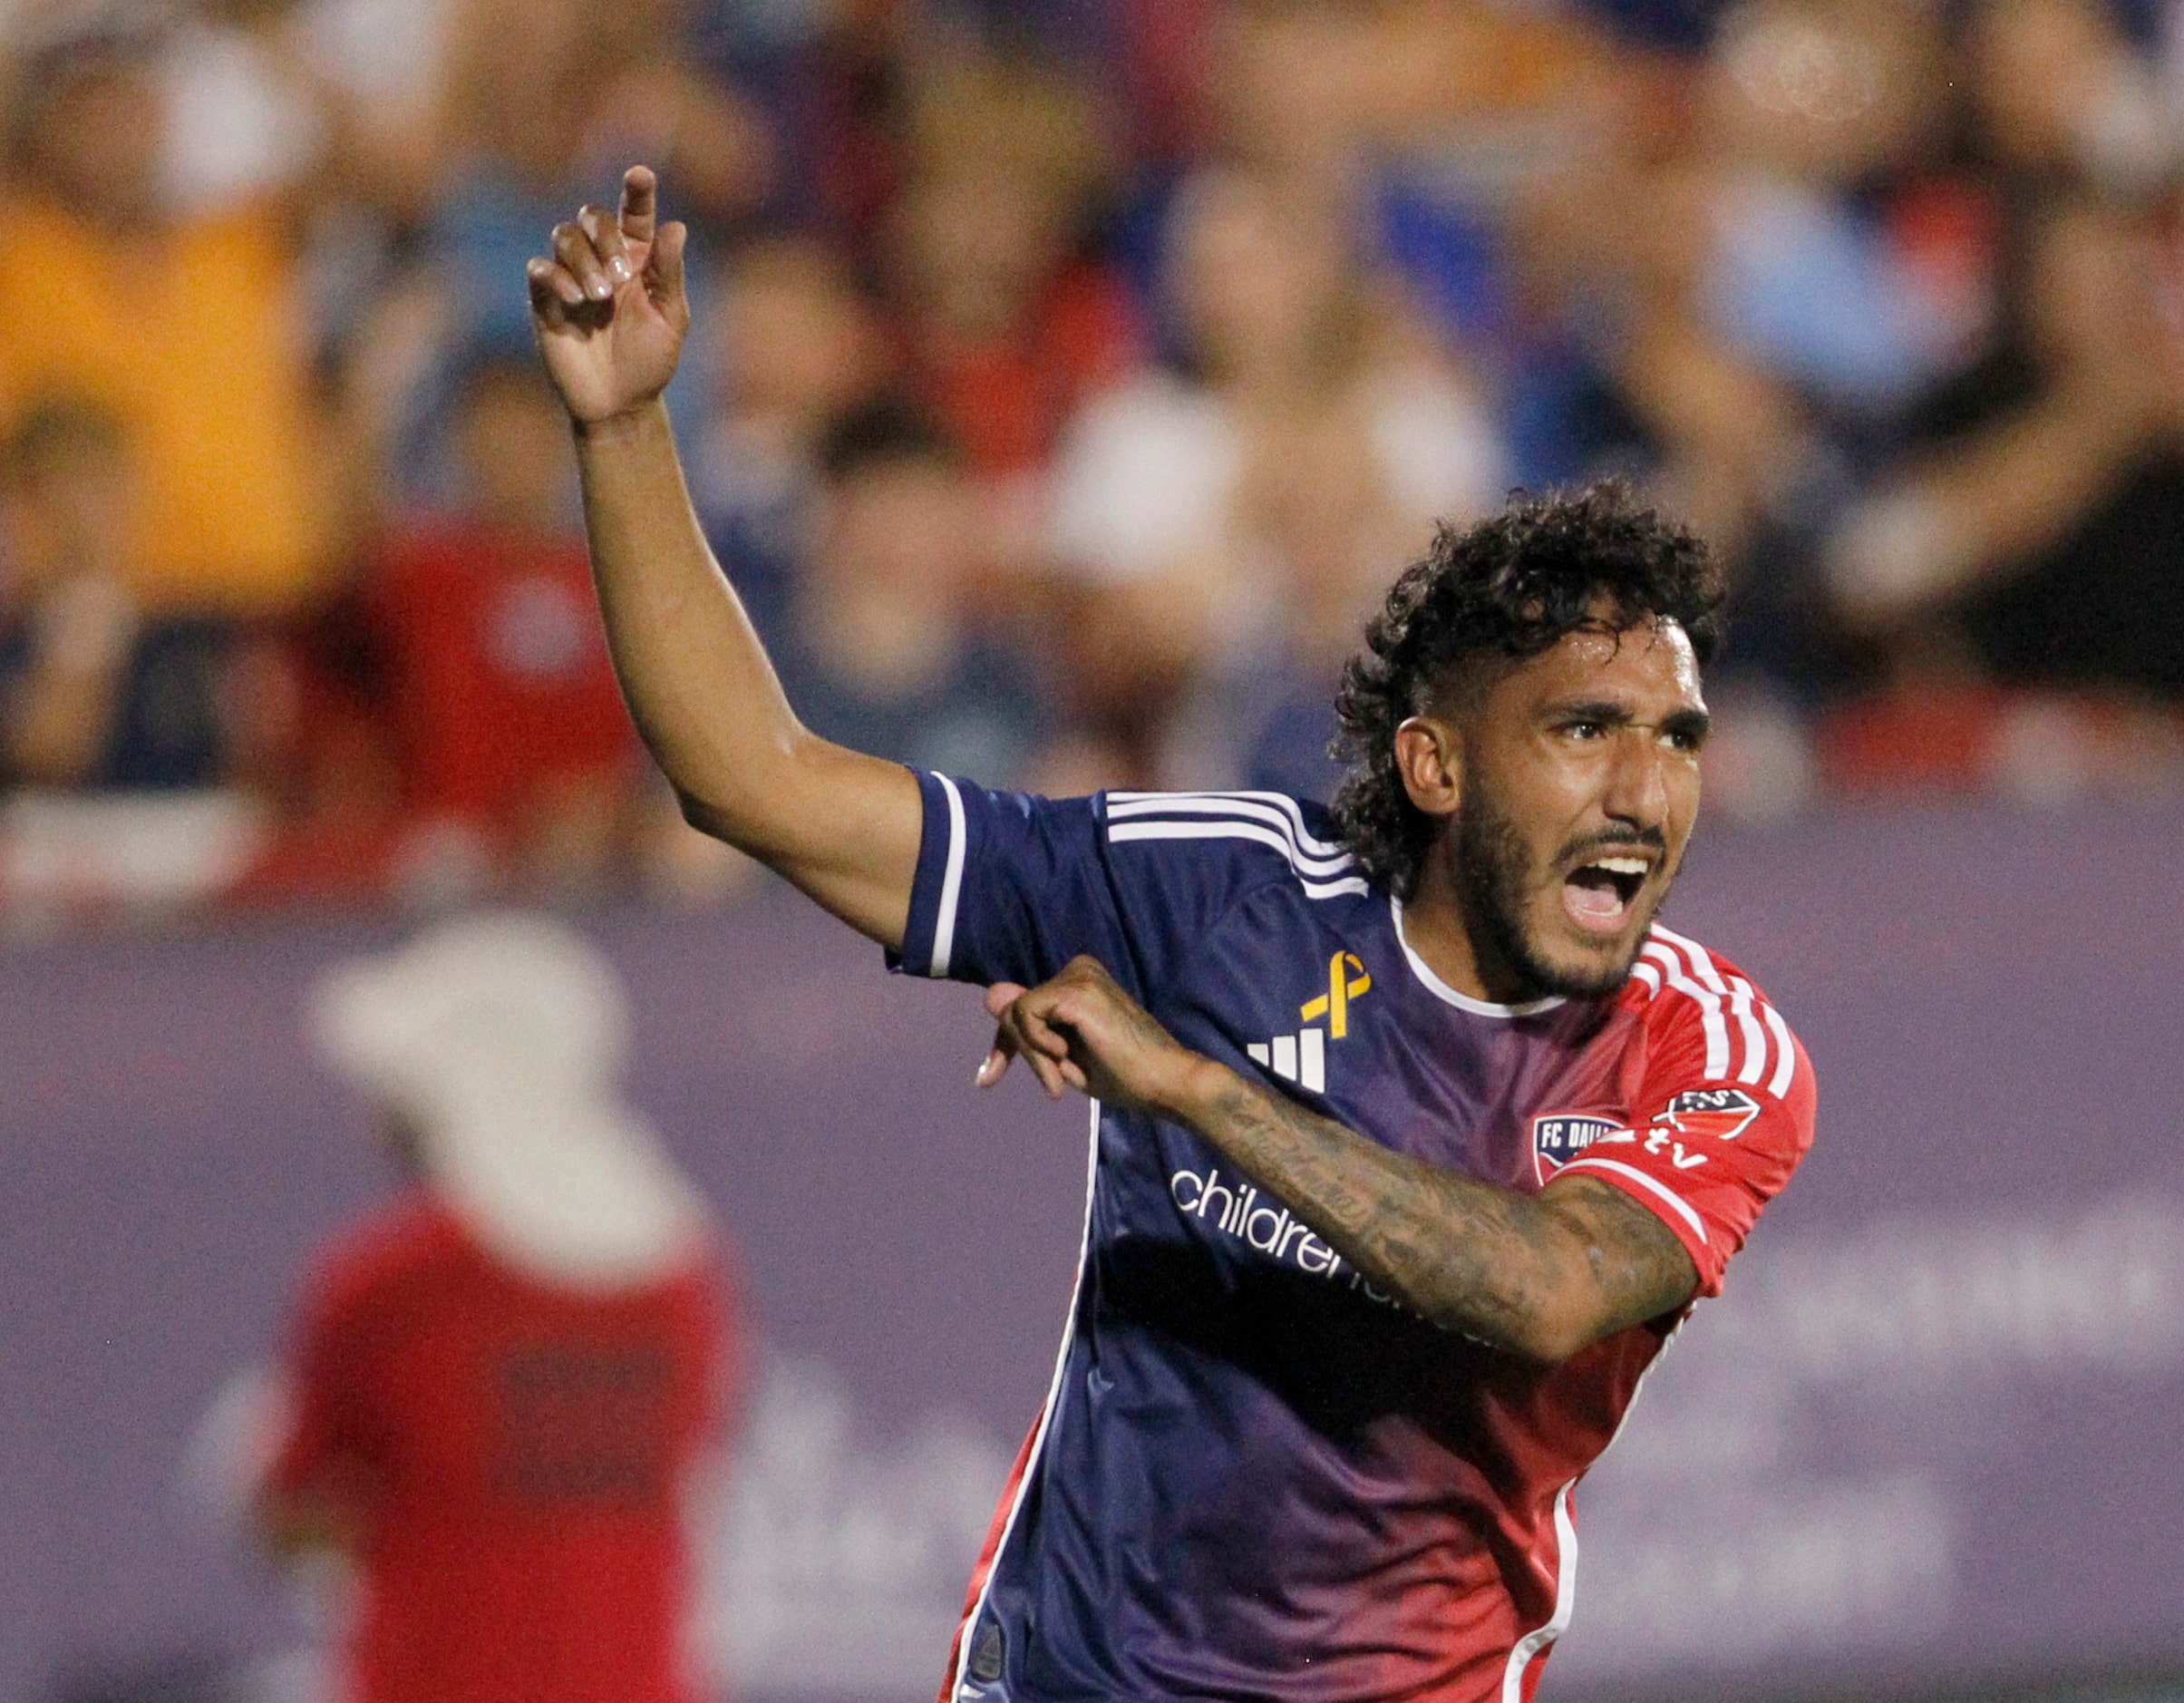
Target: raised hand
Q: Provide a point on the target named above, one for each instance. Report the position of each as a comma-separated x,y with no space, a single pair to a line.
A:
608,308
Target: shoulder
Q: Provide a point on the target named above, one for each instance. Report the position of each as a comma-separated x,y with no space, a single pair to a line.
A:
411,1238
1690,1000
1260,838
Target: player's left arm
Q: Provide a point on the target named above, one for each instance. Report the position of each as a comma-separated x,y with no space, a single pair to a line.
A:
313,1491
1540,1275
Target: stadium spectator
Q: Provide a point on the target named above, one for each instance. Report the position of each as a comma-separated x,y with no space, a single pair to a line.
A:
1780,277
1733,290
540,93
248,116
887,645
1817,113
187,328
1208,518
519,761
537,93
1009,322
2028,538
832,79
1282,90
94,693
796,346
2061,96
1422,122
505,1383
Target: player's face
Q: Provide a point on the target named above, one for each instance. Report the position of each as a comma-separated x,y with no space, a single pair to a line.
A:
1580,783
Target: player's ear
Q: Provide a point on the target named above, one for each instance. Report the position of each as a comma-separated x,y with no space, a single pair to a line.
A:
1429,754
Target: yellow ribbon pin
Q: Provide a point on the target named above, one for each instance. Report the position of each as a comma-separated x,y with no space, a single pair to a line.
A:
1347,980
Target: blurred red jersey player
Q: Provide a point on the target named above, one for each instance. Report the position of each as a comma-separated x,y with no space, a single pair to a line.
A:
509,721
506,1382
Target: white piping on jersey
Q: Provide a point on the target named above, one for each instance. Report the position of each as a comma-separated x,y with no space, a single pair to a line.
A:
1672,960
1779,1084
1698,1225
1046,1420
1227,829
951,884
1737,993
1566,1601
1440,989
1701,961
1141,803
1755,1062
1709,1004
1310,856
1741,1005
1566,1559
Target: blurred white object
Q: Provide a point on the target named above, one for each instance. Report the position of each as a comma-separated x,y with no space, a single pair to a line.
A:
240,122
498,1038
152,851
830,1556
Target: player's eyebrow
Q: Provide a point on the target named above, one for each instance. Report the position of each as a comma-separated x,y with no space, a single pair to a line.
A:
1692,724
1603,710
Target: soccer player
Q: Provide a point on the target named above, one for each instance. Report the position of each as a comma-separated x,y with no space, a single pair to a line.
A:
1414,1138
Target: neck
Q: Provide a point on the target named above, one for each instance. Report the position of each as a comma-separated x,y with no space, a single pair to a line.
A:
1437,926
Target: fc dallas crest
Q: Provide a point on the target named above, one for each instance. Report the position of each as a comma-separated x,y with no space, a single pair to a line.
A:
1560,1137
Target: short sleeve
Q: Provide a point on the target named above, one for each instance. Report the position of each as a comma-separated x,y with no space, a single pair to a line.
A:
324,1425
1011,887
1718,1111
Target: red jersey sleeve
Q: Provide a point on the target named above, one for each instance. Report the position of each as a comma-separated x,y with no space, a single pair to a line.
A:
332,1431
1717,1103
321,1423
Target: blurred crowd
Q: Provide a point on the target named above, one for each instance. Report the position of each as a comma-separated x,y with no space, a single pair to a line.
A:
1070,378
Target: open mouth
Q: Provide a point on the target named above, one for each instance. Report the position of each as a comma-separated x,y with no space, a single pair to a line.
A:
1598,895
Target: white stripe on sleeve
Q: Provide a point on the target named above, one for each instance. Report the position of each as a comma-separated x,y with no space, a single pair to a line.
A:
1305,839
1228,830
1710,1008
1701,961
951,884
1703,969
1698,1227
1311,857
1742,998
1786,1068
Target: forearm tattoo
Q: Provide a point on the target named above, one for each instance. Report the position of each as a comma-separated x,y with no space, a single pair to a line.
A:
1539,1274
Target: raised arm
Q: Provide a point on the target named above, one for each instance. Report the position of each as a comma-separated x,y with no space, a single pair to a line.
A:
610,313
1540,1275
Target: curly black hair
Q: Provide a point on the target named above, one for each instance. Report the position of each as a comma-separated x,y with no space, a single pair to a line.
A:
1508,587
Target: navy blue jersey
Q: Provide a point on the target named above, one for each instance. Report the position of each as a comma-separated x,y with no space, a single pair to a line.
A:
1256,1475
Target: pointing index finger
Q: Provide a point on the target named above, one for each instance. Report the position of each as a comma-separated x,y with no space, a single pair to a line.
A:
640,204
